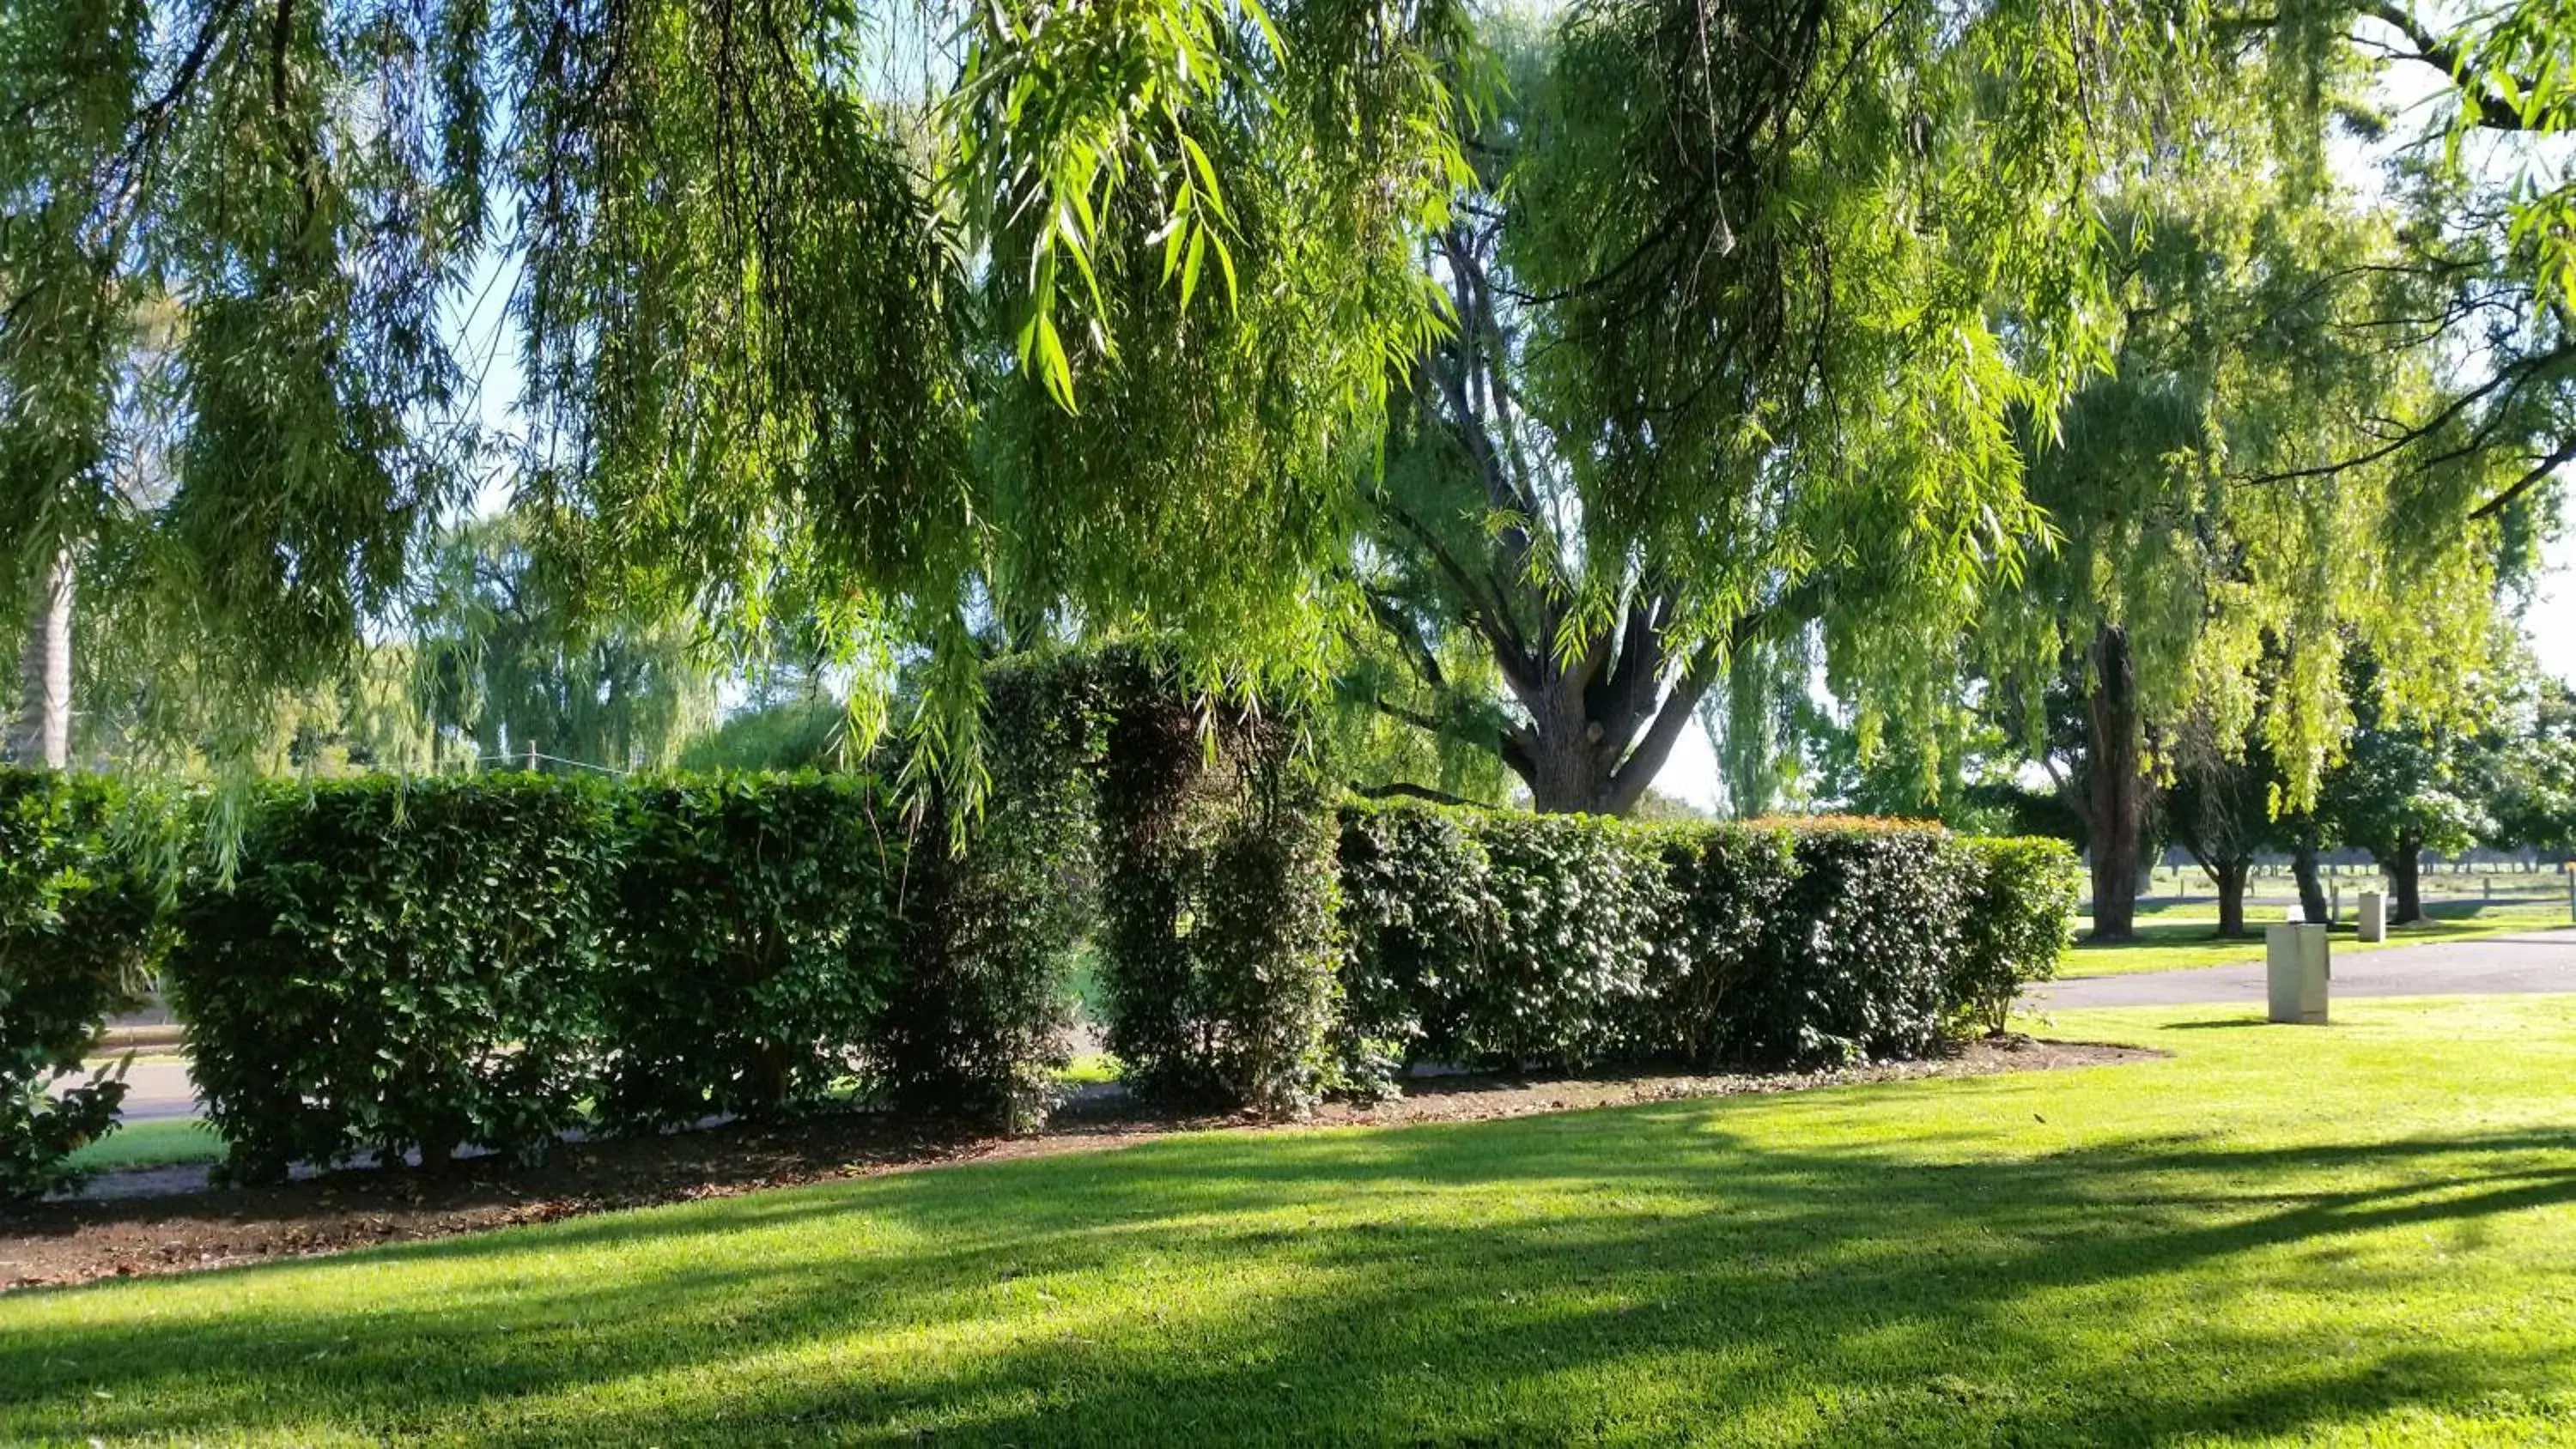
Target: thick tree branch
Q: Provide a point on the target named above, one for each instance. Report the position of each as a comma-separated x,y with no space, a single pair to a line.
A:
2557,458
1484,609
2494,112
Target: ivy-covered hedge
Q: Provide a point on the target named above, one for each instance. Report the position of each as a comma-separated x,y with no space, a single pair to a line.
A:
78,926
980,1015
1506,939
1220,940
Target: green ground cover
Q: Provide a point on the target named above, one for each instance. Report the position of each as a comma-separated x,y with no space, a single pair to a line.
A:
162,1142
2362,1234
2171,940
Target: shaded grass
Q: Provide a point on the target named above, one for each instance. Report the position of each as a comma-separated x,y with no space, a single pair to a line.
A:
2176,943
2363,1233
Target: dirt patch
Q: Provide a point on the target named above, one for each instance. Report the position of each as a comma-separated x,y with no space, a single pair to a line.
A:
165,1220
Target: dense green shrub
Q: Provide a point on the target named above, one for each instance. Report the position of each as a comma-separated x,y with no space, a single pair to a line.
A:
752,944
1415,906
1580,905
1219,931
1730,883
1858,947
1506,939
2021,899
78,925
399,966
976,1022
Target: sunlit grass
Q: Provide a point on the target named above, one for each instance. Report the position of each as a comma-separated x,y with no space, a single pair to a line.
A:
2361,1234
163,1142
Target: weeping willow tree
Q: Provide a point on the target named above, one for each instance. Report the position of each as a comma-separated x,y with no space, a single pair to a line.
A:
1728,390
2218,551
1087,325
1079,319
503,666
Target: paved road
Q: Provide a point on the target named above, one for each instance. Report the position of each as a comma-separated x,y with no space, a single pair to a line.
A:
153,1089
2526,961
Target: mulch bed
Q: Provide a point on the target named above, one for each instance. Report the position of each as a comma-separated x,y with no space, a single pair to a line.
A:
166,1220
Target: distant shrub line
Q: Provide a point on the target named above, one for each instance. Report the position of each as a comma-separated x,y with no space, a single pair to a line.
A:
420,966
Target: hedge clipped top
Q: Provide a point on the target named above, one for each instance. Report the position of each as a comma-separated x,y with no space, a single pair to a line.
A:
1512,939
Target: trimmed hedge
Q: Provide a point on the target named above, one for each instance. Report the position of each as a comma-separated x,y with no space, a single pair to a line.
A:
1220,946
419,966
415,967
400,966
754,937
1513,940
78,926
2016,921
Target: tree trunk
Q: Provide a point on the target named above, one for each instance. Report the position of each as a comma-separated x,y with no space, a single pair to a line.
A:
2404,873
2312,891
2231,876
2116,784
1568,774
43,731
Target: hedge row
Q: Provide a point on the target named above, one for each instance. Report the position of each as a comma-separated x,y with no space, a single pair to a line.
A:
1562,942
415,966
77,926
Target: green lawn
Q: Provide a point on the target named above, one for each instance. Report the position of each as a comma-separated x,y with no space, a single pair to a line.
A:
2173,942
164,1142
2362,1234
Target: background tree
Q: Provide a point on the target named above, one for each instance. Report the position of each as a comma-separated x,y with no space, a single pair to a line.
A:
2205,578
2531,772
508,666
2402,790
1725,369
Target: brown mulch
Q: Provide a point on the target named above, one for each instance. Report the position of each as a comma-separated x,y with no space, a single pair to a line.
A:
167,1221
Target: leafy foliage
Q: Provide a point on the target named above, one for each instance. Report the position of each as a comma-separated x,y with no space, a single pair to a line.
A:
977,1020
79,925
400,966
1217,899
2021,897
1512,940
754,937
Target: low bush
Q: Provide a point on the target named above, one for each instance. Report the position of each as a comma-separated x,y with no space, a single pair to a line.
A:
400,966
2019,905
78,925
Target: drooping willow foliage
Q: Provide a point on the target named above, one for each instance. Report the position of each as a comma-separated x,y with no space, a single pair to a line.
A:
1092,329
1042,316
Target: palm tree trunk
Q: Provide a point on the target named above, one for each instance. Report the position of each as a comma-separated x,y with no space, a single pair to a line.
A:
42,734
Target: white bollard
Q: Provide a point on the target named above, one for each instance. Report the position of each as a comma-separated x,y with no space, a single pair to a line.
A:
2295,956
2372,920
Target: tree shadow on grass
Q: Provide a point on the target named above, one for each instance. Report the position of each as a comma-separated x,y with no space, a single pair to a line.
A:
1639,1272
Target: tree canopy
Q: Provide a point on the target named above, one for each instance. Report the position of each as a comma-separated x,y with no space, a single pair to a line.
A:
1716,331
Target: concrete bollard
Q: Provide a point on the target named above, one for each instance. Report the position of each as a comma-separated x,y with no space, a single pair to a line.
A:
2296,958
2372,920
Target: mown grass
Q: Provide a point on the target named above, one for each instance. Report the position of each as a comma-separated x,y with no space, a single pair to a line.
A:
2173,942
161,1142
2358,1234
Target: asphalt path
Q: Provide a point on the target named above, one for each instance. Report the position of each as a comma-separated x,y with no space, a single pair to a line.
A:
2523,962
